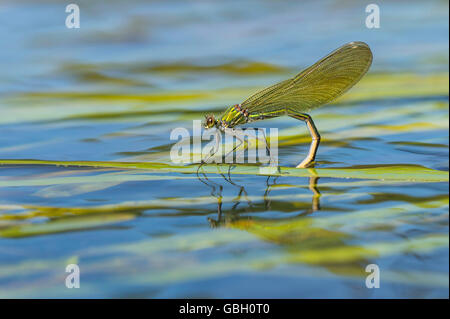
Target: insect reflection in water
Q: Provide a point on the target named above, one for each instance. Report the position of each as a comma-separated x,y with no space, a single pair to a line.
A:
233,214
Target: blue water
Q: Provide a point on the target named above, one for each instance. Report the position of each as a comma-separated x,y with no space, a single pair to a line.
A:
115,88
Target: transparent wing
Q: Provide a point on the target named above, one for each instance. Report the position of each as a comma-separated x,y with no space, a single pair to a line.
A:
319,84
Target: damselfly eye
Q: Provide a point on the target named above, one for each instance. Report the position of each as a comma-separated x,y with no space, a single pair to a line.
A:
210,121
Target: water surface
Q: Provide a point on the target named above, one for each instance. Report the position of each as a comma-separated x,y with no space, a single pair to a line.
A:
113,90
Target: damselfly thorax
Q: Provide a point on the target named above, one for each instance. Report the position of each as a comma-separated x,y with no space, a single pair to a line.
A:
318,84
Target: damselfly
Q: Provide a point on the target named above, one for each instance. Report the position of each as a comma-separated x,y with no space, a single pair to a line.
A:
318,84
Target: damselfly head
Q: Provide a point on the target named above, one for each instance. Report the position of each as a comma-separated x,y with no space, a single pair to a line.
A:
210,121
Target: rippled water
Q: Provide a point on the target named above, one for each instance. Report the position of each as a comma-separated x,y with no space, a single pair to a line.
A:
112,91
